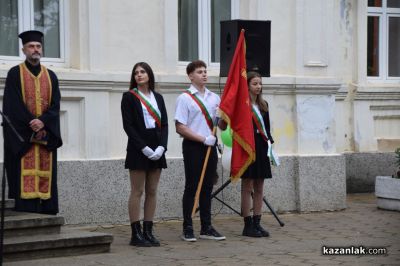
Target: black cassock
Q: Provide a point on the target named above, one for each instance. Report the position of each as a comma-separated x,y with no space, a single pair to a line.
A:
17,112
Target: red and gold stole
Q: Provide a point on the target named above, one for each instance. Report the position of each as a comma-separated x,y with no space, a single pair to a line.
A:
36,164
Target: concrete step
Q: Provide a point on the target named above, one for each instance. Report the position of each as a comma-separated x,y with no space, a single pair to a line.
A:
9,204
23,223
69,242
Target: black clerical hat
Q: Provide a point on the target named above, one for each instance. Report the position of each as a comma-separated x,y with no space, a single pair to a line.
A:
31,36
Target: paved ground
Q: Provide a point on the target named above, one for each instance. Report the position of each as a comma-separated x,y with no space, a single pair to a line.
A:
299,242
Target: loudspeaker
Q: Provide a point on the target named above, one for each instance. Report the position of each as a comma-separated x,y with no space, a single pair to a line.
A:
258,44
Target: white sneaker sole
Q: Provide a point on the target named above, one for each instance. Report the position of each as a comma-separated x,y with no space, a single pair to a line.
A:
212,237
188,239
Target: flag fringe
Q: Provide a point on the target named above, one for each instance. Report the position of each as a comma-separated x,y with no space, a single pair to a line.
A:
244,145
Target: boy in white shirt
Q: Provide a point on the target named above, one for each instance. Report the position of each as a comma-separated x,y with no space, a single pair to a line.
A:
195,112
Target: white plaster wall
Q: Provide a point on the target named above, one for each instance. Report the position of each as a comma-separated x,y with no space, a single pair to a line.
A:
309,37
344,123
343,45
283,119
91,123
375,122
316,124
283,32
316,49
133,34
118,138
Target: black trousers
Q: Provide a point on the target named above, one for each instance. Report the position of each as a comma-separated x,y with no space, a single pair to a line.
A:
194,154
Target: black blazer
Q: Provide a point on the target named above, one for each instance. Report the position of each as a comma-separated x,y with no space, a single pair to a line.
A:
267,123
133,121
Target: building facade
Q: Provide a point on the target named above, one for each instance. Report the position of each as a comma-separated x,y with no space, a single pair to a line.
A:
334,91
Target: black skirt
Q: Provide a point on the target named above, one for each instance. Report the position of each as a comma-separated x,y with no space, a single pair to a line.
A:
261,168
136,160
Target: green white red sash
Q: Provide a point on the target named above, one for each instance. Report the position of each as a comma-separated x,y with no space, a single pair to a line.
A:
257,118
154,112
203,108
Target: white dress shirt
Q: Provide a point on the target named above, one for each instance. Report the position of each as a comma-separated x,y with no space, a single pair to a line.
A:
188,112
148,119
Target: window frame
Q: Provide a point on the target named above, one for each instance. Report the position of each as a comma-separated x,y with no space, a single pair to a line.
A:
384,13
26,22
387,44
204,31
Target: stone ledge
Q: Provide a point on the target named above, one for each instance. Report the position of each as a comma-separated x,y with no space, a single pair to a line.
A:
16,220
363,167
67,243
93,192
387,187
20,223
388,204
321,183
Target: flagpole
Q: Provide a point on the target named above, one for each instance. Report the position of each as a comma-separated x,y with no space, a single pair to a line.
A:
203,171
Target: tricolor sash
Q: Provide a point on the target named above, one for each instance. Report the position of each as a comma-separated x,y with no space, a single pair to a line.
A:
150,108
36,164
203,108
257,118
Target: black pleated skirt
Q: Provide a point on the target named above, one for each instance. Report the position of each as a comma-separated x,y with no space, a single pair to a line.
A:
261,168
136,160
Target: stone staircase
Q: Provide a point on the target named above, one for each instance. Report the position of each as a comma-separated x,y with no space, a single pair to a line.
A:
31,235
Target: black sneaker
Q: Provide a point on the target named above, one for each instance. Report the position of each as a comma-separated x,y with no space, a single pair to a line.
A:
211,233
188,235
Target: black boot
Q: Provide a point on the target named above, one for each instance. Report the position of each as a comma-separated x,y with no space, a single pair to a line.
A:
256,222
249,229
148,233
137,236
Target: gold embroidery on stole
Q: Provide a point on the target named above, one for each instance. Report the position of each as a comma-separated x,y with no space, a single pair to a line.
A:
36,164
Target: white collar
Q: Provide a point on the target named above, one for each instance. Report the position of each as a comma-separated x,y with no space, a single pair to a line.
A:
192,89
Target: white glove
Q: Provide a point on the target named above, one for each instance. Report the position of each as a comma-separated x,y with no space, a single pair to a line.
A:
157,153
147,151
217,113
210,140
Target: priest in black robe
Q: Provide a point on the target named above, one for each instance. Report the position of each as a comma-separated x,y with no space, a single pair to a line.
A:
32,103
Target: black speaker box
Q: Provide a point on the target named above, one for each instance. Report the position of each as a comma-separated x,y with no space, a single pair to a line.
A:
258,44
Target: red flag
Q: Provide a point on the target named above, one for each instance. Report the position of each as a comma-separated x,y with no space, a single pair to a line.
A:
235,109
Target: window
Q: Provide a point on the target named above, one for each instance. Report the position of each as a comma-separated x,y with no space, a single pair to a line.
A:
199,28
383,39
20,15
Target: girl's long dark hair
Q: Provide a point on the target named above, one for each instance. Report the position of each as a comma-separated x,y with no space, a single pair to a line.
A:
262,104
149,72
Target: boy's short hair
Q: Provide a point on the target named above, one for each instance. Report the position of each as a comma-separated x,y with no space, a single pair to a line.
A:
195,64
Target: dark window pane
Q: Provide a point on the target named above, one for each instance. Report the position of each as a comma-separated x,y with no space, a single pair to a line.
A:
375,3
394,47
9,28
47,20
373,46
188,30
220,10
393,3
